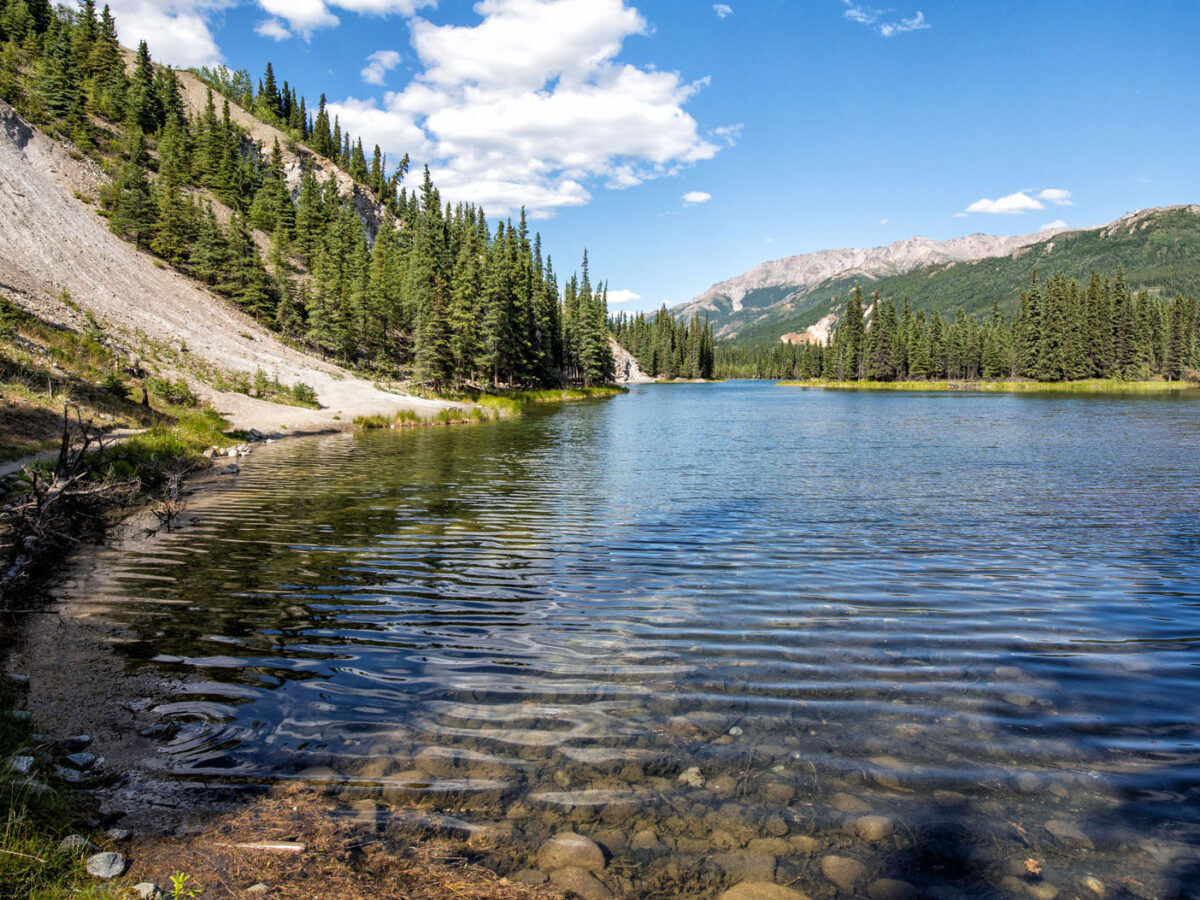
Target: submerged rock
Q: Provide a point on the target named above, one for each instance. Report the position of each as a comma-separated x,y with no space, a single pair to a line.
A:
848,803
1069,833
776,825
691,777
570,850
844,872
582,882
761,890
778,792
531,876
874,828
747,866
646,840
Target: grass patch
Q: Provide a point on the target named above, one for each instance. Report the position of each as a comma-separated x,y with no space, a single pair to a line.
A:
1086,386
407,418
513,402
161,450
486,407
35,820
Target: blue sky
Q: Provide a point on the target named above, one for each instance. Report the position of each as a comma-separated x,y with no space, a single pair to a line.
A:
787,126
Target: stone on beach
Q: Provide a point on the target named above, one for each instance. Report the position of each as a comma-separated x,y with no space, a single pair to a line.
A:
106,865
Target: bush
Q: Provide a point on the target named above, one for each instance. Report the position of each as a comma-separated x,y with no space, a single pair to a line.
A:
112,384
303,393
176,392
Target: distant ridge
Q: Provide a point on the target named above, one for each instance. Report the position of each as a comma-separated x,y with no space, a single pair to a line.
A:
1158,247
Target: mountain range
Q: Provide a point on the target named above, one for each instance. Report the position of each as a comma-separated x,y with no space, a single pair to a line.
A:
1159,250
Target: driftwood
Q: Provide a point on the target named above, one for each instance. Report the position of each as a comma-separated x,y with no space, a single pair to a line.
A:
57,510
172,500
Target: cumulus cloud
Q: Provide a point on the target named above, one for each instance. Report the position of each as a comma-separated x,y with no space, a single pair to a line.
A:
1013,204
530,106
303,17
868,15
1057,196
176,30
1056,225
378,65
274,29
691,198
1018,203
722,10
615,298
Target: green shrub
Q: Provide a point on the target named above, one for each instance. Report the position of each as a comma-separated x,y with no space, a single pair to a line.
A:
303,393
176,392
112,384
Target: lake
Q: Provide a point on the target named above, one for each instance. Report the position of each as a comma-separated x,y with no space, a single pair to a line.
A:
729,631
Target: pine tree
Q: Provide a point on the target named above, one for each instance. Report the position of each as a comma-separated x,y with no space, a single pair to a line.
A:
852,332
142,106
130,201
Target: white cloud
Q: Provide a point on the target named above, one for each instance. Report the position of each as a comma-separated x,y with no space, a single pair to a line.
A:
1056,225
722,10
274,29
691,198
884,221
176,30
622,296
863,15
378,65
530,106
1057,196
868,15
728,133
916,23
1013,204
306,16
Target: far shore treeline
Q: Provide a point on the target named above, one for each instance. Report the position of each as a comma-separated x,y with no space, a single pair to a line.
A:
1060,332
427,291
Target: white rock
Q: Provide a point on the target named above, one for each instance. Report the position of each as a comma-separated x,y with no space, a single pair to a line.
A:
106,865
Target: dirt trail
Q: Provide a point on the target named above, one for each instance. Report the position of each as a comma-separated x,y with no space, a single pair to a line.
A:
53,241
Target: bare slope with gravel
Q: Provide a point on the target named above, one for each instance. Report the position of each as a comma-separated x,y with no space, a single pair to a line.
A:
50,241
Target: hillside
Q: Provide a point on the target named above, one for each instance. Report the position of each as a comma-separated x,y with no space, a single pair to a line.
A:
55,242
296,158
1158,248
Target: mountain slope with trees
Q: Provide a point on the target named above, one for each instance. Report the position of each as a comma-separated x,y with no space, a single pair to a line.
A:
358,268
1059,332
1159,250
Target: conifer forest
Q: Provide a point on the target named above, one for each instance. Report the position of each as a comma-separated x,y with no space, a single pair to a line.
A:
1061,331
418,289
